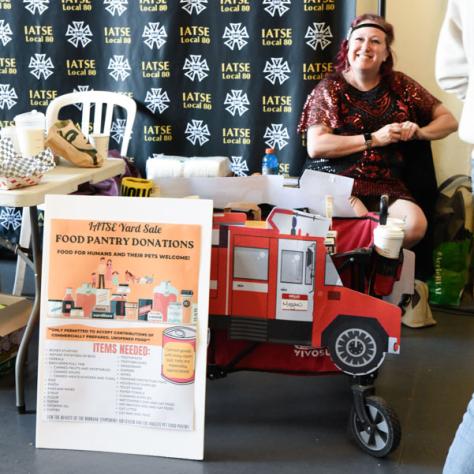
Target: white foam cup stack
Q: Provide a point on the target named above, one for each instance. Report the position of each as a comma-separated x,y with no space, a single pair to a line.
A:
388,240
30,132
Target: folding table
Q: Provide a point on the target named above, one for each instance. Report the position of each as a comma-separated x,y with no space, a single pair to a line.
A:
64,179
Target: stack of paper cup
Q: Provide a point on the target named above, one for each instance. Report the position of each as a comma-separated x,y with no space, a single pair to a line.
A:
30,131
388,240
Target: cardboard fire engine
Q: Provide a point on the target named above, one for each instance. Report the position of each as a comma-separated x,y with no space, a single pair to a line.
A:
275,282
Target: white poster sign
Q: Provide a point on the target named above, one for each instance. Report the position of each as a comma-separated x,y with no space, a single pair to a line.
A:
123,327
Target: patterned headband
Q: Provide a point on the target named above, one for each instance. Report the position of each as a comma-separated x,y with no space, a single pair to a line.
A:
365,25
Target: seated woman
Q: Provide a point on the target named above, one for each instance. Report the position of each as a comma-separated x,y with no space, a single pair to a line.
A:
358,119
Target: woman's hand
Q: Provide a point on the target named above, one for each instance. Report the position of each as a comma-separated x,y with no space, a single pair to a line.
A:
409,131
390,133
395,132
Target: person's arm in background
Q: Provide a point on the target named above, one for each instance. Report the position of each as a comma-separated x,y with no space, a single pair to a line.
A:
452,68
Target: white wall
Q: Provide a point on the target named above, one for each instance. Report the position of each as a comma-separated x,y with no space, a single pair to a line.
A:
417,24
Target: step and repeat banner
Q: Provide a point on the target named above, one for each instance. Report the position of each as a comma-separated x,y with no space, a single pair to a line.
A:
210,77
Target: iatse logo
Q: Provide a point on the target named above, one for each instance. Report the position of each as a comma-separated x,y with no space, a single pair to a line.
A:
277,37
156,69
117,35
235,6
38,34
194,34
235,71
153,5
236,136
276,103
5,5
81,67
8,66
284,169
316,71
41,97
76,5
158,133
197,100
319,5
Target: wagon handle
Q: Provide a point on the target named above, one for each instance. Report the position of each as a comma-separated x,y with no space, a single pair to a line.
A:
383,209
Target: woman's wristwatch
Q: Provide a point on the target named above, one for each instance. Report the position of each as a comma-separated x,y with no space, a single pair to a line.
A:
368,140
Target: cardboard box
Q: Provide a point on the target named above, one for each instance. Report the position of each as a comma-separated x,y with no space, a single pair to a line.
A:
13,319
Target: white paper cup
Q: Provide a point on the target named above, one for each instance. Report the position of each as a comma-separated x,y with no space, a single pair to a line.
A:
388,240
100,141
30,131
396,222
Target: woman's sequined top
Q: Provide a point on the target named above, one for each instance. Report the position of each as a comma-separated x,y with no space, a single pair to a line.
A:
349,111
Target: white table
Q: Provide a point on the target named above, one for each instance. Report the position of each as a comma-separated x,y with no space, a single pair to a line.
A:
64,179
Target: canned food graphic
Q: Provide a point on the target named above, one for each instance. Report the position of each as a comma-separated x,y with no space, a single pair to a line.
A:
179,354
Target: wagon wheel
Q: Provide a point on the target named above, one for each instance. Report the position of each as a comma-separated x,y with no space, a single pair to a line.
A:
383,434
356,347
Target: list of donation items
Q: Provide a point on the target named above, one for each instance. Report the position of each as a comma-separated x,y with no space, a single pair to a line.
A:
134,376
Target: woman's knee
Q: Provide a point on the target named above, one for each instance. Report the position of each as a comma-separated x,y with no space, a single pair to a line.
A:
415,221
415,232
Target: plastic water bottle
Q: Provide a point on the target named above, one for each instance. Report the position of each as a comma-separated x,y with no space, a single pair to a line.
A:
270,162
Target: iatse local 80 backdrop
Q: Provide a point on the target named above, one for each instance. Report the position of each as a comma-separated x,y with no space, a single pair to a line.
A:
210,77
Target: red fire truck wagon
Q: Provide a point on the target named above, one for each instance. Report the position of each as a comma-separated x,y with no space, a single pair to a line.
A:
274,286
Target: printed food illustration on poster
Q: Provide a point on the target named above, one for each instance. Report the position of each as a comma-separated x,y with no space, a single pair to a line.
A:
124,271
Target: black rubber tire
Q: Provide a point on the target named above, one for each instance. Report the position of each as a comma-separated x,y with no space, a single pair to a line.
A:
356,347
386,433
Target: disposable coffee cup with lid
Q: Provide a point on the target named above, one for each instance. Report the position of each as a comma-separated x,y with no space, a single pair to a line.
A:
396,222
30,131
388,240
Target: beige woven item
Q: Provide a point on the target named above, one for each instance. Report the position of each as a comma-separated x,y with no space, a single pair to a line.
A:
418,312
